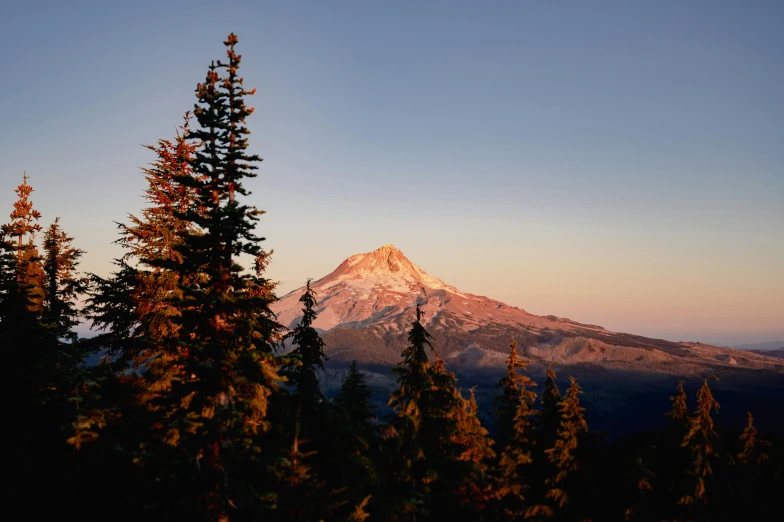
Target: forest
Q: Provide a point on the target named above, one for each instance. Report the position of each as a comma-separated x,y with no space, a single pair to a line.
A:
195,411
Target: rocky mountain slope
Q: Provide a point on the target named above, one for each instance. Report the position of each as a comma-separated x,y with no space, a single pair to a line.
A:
367,303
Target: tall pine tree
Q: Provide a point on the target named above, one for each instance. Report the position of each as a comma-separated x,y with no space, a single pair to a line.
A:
214,408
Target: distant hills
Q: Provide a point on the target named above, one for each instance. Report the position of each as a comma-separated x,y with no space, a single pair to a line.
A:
762,347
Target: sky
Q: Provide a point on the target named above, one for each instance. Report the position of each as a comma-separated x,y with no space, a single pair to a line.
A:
617,163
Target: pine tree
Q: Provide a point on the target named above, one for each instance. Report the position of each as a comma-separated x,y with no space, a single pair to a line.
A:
318,425
514,395
753,447
454,446
409,401
308,350
514,410
545,438
680,409
669,460
134,305
755,481
42,356
551,413
27,342
702,441
354,398
63,287
413,375
358,440
21,232
63,284
301,494
475,451
214,408
565,454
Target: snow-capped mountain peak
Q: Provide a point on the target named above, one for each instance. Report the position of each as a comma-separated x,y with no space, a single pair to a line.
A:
374,295
368,288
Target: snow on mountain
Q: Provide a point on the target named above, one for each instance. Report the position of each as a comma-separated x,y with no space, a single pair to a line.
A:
379,287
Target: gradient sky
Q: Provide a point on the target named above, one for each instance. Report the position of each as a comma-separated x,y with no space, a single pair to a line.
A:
612,162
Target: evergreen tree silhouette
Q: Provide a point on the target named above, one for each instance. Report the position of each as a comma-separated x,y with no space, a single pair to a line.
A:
551,412
359,443
354,398
409,401
308,352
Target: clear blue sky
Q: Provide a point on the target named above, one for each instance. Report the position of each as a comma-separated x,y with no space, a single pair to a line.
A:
612,162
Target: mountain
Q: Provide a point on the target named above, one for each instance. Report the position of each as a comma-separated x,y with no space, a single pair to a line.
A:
777,353
761,347
366,305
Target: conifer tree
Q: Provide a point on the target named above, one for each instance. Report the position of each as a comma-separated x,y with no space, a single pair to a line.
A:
134,305
755,481
565,454
551,413
301,494
358,441
223,337
354,397
63,284
680,409
27,343
753,447
413,375
475,451
37,316
409,401
133,309
669,460
455,448
514,395
318,426
545,438
21,232
308,350
514,410
702,442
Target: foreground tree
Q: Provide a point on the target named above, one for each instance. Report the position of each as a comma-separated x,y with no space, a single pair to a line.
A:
220,347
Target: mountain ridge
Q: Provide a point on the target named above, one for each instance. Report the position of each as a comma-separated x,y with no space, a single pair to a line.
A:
370,298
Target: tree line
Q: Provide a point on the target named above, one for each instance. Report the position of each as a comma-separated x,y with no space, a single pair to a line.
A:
195,412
